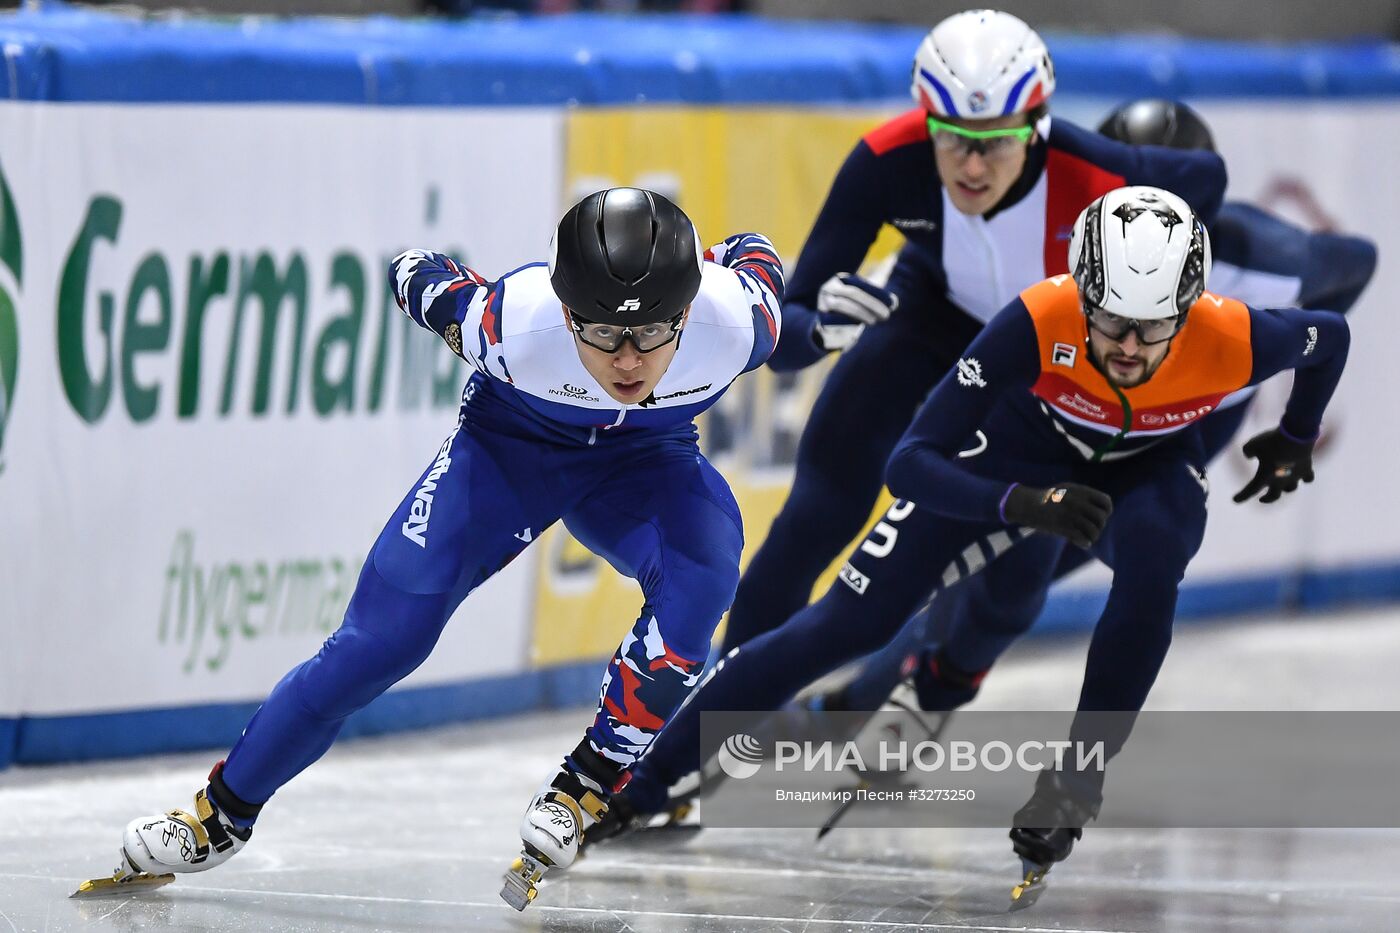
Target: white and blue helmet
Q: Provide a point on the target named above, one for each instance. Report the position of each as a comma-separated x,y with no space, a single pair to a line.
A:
982,64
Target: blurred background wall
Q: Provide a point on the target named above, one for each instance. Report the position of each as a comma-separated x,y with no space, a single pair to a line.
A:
1293,20
1289,20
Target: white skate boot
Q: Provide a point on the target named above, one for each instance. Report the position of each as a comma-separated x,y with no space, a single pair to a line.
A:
154,848
550,833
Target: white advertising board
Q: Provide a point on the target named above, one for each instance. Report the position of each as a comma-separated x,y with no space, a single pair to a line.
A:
214,406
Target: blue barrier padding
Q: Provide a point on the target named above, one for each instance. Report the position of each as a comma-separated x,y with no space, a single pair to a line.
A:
87,737
572,684
60,53
47,739
90,736
1366,583
9,730
1236,596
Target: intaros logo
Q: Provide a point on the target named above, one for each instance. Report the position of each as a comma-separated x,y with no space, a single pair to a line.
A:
741,756
12,263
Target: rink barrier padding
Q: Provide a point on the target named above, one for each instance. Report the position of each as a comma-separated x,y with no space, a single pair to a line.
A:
64,54
9,739
1320,590
127,733
50,739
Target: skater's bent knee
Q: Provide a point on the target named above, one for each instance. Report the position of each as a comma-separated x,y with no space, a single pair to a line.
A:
705,578
352,668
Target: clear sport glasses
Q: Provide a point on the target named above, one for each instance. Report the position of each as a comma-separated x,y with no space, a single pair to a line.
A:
991,144
609,337
1116,327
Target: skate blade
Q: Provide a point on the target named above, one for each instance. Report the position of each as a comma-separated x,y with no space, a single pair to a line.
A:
522,882
1029,890
115,885
682,817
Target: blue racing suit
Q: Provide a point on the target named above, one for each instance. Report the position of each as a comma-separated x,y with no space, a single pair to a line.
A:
539,440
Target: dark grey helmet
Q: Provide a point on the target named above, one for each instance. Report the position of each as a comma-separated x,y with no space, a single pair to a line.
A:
1155,122
625,256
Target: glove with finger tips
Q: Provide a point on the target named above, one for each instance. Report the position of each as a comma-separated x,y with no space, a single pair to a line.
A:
1284,461
1074,512
856,298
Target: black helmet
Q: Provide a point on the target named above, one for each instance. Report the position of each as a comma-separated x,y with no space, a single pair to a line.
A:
625,256
1154,122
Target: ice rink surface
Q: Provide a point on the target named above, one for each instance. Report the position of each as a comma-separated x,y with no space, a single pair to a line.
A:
413,832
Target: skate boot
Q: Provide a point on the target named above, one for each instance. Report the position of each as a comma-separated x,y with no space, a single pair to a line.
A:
155,848
551,831
1045,830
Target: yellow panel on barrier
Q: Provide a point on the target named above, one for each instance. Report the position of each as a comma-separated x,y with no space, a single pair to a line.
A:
763,169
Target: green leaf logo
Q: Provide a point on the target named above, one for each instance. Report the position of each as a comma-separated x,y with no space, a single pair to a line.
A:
12,256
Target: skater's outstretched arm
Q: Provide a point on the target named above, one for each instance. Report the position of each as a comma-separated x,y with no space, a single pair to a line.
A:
451,300
1314,344
754,259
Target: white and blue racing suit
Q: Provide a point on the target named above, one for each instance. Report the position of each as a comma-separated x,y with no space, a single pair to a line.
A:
539,440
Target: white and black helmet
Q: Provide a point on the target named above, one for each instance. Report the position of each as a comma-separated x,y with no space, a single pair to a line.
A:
625,256
981,64
1140,252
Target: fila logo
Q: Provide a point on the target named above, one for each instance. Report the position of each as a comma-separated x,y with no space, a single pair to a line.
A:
1312,341
630,304
1063,354
854,579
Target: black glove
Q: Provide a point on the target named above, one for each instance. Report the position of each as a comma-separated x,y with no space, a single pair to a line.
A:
1283,461
1077,513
